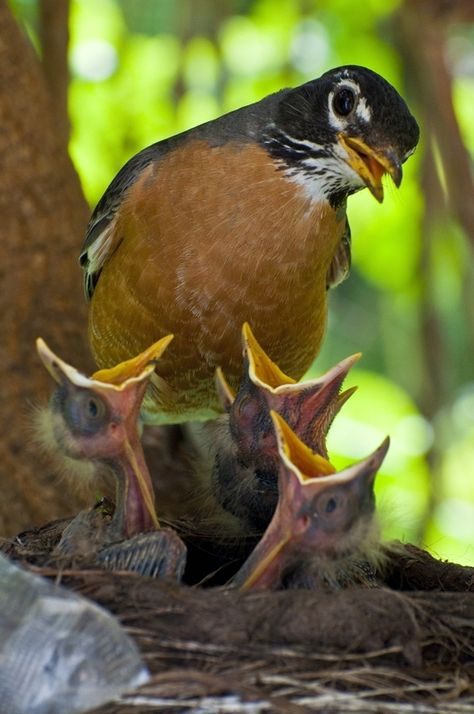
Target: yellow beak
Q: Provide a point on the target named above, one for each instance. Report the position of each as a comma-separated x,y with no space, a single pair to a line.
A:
371,165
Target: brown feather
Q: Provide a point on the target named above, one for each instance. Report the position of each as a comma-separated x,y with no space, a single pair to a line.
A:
197,258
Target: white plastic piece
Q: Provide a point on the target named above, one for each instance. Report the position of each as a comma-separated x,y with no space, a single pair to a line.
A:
59,653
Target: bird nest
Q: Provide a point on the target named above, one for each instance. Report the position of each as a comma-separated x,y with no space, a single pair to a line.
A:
407,646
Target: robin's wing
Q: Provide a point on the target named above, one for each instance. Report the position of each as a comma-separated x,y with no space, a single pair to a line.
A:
101,240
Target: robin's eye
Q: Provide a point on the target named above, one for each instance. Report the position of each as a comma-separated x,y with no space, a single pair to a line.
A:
343,101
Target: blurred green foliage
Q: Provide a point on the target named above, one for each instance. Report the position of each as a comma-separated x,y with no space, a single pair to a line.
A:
141,71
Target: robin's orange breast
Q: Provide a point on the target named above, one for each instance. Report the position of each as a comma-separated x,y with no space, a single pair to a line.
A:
206,239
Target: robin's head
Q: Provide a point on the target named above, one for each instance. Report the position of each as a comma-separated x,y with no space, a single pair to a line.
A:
342,132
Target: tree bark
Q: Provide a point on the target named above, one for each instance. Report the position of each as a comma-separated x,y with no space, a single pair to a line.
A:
44,215
54,36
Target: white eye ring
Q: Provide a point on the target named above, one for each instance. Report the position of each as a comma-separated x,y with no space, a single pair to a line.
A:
337,119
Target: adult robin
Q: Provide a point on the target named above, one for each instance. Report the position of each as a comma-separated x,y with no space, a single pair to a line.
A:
240,219
95,418
245,474
323,532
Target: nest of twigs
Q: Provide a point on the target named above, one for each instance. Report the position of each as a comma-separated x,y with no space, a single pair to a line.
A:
407,646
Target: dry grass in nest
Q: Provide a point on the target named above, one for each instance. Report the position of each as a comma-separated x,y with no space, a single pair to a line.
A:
407,646
360,650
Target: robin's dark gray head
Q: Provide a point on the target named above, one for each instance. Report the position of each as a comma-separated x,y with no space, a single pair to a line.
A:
342,132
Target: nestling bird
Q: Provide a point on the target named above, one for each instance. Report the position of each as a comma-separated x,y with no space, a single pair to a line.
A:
240,219
96,419
309,407
323,532
245,475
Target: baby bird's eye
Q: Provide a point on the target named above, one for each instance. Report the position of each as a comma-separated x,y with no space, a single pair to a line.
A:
248,410
331,505
94,408
84,412
243,403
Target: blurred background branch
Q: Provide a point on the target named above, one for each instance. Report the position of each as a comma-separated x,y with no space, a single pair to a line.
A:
447,183
142,71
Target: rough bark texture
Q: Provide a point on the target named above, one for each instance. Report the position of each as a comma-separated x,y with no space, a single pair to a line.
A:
43,219
54,35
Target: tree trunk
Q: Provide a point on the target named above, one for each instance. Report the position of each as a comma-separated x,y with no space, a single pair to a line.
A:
54,35
44,215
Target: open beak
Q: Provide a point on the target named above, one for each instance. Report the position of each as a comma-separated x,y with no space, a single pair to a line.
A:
303,475
262,370
57,368
117,378
224,391
308,406
371,165
263,568
123,388
135,367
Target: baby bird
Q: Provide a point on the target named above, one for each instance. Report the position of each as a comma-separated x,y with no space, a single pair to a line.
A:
96,419
245,476
323,532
